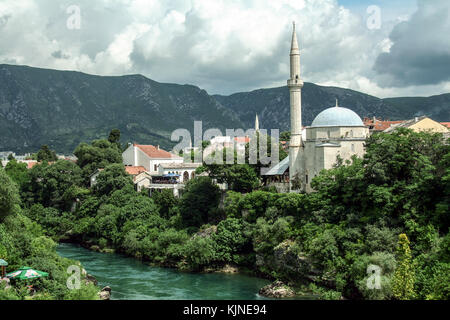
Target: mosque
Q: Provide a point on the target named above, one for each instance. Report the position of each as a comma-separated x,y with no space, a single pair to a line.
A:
336,131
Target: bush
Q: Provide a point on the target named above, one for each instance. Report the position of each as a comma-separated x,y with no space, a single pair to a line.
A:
200,198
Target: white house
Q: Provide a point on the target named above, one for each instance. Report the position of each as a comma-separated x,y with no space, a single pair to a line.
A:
149,157
185,170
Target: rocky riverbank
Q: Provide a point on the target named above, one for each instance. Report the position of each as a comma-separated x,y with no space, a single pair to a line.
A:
277,289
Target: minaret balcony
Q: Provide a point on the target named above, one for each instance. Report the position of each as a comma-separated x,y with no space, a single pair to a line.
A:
295,83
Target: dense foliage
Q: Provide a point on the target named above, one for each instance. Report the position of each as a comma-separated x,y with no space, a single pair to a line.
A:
23,243
376,227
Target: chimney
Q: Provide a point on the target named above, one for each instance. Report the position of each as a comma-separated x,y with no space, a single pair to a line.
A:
158,147
416,119
374,119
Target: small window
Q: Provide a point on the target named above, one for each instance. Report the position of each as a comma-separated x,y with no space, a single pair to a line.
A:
156,167
307,180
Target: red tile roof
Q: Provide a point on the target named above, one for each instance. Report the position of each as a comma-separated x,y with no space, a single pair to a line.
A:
242,139
155,152
31,164
447,124
380,125
134,171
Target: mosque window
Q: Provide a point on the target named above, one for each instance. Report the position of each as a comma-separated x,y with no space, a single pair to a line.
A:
307,180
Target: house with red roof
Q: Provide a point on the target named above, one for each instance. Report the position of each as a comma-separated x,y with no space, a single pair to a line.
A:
148,157
378,125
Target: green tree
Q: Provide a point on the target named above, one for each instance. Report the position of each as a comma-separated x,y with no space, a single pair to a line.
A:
166,202
112,178
403,281
96,155
233,236
114,137
285,136
18,172
9,195
200,198
45,154
51,184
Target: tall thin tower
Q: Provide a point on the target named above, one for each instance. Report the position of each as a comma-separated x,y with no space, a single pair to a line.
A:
256,123
295,85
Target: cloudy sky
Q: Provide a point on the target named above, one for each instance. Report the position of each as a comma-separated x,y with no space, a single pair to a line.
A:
381,47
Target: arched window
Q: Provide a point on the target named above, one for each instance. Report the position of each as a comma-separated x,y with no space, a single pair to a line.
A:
186,176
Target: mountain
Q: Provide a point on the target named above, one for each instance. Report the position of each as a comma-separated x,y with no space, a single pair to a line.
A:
272,105
435,107
64,108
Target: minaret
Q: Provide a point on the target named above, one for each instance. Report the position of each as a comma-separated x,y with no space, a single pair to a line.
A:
295,85
257,123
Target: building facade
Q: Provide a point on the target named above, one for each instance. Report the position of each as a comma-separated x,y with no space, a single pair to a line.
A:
149,157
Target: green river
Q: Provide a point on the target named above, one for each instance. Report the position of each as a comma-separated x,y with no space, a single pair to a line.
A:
131,279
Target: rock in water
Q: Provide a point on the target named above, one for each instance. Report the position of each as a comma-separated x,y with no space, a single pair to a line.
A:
90,279
105,294
277,289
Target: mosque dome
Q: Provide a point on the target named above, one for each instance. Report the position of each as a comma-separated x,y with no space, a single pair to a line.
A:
337,117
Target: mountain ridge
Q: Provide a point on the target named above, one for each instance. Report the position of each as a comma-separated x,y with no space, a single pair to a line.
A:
63,108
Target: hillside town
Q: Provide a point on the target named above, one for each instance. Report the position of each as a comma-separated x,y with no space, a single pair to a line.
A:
153,168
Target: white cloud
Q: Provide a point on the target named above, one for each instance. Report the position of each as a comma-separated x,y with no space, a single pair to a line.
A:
223,46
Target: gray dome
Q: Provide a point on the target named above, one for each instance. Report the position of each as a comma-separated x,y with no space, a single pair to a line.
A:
337,117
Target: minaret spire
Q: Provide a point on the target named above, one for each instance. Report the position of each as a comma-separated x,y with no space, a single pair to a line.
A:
295,85
294,42
257,123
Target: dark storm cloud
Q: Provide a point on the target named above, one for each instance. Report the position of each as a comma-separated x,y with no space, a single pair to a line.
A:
420,54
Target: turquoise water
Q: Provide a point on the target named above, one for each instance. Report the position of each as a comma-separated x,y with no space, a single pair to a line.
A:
131,279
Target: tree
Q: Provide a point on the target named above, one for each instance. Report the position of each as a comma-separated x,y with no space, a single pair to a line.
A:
403,281
241,178
233,236
51,184
201,197
166,201
45,154
112,178
9,195
285,136
114,137
10,157
97,155
18,172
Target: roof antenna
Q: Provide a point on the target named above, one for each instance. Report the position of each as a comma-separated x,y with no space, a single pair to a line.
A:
337,105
